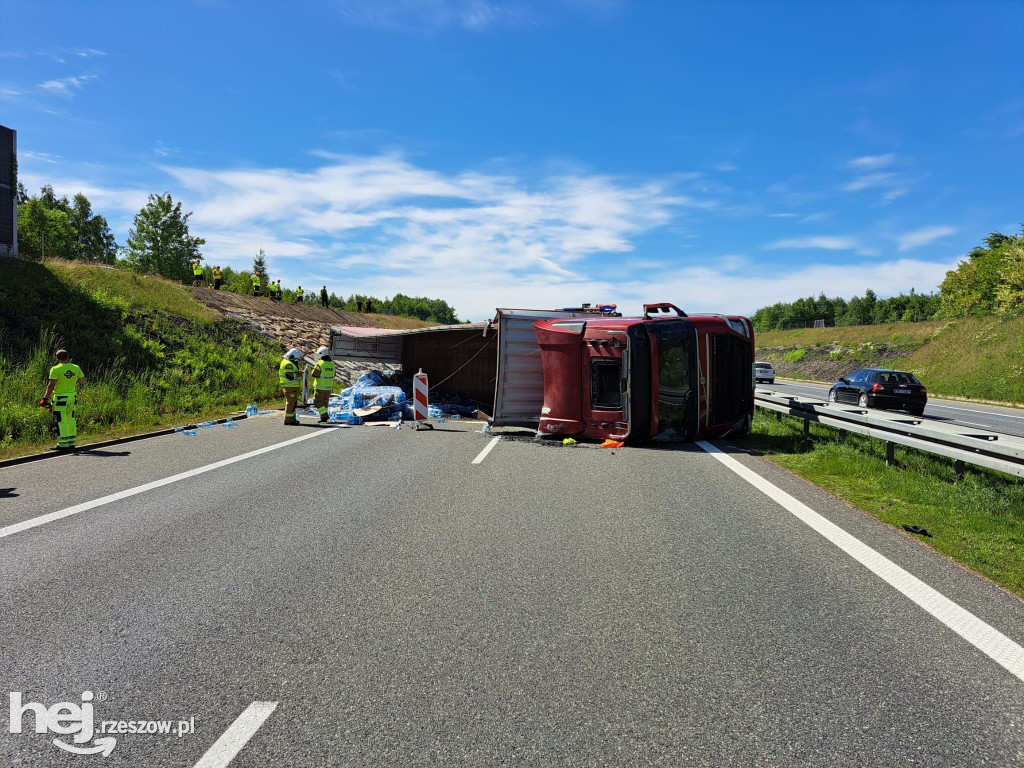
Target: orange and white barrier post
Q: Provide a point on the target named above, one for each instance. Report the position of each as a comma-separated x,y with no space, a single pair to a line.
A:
420,401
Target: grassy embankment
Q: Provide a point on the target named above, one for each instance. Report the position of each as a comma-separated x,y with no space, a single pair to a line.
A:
152,355
980,358
978,520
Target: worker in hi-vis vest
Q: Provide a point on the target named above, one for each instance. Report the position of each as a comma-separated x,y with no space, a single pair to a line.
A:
298,295
289,375
323,375
218,277
197,273
63,387
257,282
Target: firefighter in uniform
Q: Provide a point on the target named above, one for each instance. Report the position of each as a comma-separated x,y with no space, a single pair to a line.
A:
63,386
323,375
290,378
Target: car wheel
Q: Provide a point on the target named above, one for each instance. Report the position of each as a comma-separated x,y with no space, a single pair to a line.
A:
917,411
831,395
771,381
862,401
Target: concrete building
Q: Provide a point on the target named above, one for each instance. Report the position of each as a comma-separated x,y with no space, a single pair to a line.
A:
8,192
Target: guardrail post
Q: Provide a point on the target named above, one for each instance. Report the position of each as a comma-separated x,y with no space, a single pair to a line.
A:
807,426
890,453
959,467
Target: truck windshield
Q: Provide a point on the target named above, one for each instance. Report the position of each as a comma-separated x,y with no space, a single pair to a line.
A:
675,378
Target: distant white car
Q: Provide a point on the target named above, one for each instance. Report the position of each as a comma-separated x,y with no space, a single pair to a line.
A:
764,372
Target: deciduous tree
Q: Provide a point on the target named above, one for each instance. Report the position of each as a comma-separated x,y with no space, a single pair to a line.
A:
159,240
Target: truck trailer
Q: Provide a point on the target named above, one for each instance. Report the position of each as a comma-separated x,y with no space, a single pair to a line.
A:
584,371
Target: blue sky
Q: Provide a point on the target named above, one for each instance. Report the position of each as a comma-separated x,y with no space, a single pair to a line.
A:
719,155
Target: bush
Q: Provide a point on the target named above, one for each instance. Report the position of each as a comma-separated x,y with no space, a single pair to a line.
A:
795,356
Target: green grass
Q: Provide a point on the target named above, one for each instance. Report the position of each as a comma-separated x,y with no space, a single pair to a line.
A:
977,519
975,357
130,289
151,354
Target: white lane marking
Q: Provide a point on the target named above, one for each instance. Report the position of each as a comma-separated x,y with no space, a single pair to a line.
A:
10,530
1000,414
985,638
486,450
237,735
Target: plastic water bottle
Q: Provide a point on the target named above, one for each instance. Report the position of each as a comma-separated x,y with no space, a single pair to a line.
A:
189,432
178,429
230,423
487,429
440,420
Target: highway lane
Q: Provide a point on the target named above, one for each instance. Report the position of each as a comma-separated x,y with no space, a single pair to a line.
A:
404,606
1008,421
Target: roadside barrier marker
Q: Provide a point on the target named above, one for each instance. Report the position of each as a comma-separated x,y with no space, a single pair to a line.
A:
982,636
420,401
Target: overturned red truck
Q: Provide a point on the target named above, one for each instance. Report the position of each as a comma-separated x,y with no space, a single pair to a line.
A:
585,372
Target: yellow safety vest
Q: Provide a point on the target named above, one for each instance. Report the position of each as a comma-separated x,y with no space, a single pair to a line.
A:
288,374
324,374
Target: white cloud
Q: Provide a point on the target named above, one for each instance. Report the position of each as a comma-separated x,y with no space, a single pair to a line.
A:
872,162
824,242
66,85
386,225
781,215
429,15
923,236
41,156
871,180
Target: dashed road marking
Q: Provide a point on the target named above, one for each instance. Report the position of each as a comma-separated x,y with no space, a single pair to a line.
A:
237,735
487,449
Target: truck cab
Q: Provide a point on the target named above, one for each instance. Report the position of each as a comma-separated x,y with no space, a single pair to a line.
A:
634,378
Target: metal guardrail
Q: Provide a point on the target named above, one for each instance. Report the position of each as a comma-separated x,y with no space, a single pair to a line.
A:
982,448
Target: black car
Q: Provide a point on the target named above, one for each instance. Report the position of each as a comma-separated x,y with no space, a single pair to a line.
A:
881,388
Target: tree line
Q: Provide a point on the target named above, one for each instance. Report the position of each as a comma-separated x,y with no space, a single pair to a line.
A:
160,244
989,281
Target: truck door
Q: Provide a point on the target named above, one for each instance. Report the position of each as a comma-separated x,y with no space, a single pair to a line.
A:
604,387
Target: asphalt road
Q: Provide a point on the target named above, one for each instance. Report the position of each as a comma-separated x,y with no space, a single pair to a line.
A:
371,597
1008,421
